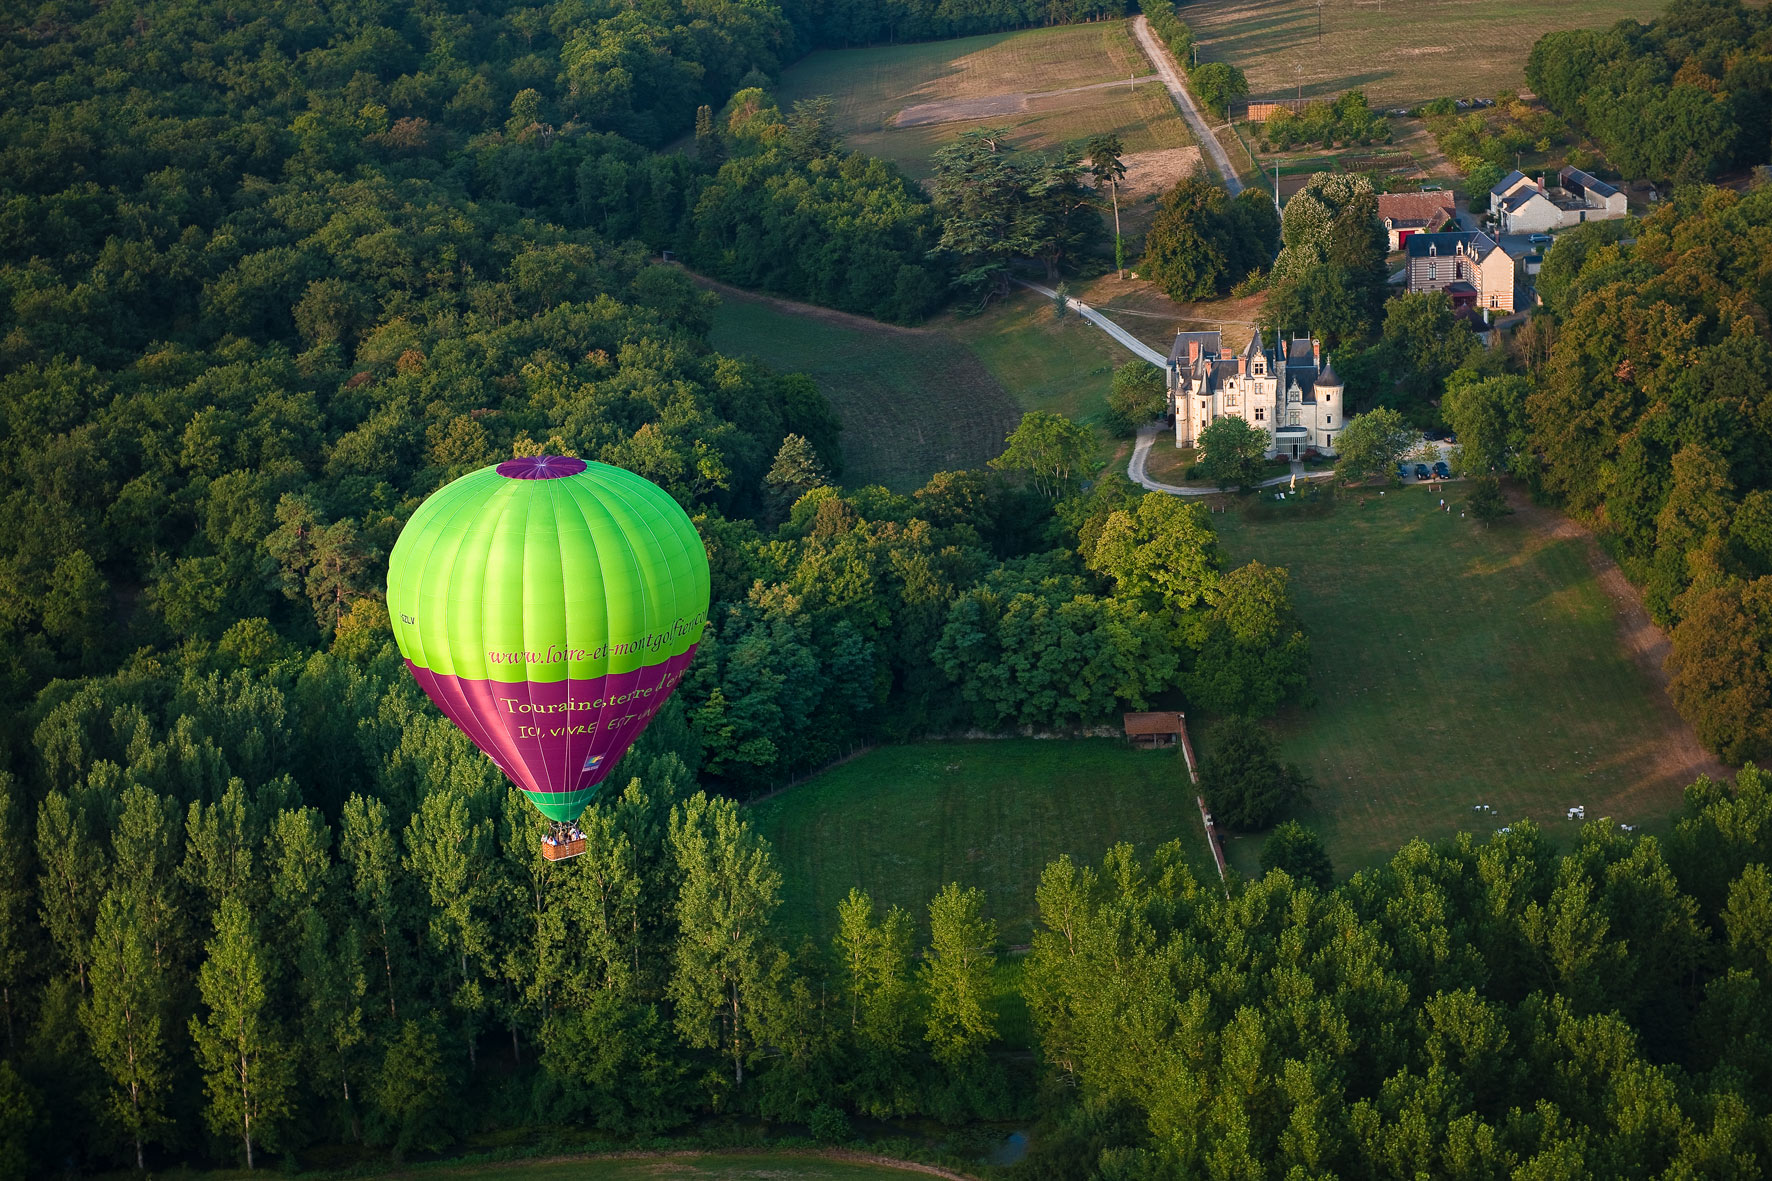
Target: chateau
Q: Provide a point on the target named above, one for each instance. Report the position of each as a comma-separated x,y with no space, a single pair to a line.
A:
1292,394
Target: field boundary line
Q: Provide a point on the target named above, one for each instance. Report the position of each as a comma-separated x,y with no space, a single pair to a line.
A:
1193,774
1165,65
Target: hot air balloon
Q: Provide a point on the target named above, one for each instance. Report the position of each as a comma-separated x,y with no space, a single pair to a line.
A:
549,607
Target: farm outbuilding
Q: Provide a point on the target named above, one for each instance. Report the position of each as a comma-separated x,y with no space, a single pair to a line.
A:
1154,729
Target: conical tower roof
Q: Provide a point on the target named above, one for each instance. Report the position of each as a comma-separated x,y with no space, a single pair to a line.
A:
1327,376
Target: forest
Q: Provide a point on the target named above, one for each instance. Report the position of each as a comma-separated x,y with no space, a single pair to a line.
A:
274,274
1683,98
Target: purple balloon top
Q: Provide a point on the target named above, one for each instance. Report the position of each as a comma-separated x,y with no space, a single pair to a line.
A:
540,467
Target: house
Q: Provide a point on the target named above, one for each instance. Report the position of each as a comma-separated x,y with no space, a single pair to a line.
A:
1600,201
1404,214
1468,266
1154,729
1525,206
1292,394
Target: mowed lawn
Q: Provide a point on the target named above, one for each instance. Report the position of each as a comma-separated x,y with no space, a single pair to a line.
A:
1455,665
902,821
1399,53
726,1166
912,402
998,80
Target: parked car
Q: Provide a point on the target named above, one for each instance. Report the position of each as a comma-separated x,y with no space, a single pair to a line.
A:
1540,239
1442,471
1402,471
1421,471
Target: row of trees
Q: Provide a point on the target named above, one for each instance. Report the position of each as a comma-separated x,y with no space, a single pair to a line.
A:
1345,120
217,957
1216,84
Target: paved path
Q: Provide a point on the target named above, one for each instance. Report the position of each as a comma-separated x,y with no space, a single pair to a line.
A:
1141,454
1165,64
1138,348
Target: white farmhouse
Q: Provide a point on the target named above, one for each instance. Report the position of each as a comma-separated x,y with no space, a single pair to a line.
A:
1292,393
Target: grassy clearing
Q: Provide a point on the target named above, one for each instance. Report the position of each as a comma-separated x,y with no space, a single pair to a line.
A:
913,402
727,1166
1400,54
1454,665
1064,366
901,821
869,87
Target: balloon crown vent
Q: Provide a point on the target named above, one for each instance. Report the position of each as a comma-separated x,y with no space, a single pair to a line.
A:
541,467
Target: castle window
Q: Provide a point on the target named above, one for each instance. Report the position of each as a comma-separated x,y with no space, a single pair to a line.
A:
1433,271
1458,270
1328,420
1328,397
1495,301
1260,414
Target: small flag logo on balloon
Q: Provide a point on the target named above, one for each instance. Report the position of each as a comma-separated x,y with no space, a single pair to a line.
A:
591,763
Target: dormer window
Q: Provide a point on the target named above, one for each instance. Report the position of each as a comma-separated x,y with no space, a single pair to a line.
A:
1433,248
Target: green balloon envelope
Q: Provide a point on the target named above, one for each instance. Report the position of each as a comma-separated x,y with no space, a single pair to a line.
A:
549,607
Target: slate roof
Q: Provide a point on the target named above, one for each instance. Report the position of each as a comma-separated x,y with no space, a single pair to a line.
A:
1592,184
1209,345
1478,245
1507,182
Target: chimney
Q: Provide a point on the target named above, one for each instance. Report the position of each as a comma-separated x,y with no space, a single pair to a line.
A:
1242,363
1316,353
1541,185
1193,351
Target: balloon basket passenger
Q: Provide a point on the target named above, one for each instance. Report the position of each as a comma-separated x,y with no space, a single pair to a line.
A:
562,841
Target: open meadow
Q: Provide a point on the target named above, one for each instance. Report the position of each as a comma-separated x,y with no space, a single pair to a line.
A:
913,402
1051,86
901,821
1399,53
1457,665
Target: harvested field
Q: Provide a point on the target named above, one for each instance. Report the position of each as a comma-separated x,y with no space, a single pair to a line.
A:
1050,86
1400,54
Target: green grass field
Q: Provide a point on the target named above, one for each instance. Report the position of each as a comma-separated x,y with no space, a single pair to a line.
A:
726,1166
1455,665
1004,79
1064,366
1398,53
912,402
901,821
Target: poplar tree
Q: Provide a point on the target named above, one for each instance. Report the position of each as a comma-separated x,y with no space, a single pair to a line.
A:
123,1019
145,846
332,984
15,898
70,878
246,1066
452,853
874,971
729,890
366,841
956,975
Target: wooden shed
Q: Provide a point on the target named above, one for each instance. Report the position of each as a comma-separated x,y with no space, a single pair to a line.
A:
1154,729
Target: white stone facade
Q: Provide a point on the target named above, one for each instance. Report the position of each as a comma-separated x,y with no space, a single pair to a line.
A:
1292,394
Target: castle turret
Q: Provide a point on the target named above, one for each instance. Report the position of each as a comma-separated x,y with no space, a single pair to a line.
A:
1330,411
